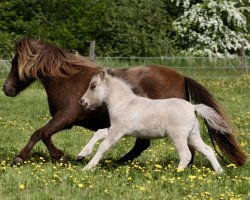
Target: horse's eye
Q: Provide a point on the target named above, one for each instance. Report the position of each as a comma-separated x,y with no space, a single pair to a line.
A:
93,86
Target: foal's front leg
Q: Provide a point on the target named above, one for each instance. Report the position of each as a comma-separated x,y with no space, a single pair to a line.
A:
87,150
112,137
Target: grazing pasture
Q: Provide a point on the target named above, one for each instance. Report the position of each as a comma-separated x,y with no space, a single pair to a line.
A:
153,175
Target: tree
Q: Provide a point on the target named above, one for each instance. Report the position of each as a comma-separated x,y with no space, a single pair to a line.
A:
71,24
135,28
211,27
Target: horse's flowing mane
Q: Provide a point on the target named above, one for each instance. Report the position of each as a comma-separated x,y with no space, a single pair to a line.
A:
38,58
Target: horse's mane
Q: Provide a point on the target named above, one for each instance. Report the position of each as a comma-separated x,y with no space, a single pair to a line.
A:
38,58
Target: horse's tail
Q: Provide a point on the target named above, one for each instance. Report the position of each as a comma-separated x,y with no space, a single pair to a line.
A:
222,133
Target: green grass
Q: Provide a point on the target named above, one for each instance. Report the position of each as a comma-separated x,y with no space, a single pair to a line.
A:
153,175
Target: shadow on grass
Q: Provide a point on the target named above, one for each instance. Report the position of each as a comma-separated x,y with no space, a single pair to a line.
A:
108,164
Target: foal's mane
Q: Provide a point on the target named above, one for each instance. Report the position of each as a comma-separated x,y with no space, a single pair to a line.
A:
120,81
38,58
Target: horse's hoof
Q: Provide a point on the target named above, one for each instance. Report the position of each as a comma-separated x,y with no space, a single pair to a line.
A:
124,160
80,158
17,161
63,160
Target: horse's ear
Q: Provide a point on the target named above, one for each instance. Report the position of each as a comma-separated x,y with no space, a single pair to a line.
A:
104,74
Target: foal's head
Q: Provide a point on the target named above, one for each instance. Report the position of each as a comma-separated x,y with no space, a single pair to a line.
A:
96,92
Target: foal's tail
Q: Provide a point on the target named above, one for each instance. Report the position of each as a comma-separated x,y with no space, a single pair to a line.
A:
216,121
213,119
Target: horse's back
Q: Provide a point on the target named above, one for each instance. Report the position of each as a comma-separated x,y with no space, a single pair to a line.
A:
154,81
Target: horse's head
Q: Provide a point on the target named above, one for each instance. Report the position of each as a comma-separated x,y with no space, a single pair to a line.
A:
96,92
13,84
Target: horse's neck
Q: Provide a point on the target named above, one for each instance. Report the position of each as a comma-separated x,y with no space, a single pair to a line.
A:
120,95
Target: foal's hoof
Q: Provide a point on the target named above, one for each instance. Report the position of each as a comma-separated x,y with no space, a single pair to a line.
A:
17,161
80,158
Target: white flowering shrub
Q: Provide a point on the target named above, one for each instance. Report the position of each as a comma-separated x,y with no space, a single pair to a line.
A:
212,27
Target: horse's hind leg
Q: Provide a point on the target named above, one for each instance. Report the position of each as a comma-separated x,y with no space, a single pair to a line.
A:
87,150
192,150
183,151
196,141
139,147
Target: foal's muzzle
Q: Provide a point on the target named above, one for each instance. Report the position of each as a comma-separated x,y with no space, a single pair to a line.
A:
83,103
86,105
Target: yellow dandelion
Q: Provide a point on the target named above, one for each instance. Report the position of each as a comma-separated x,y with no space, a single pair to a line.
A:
80,185
158,166
22,186
163,178
231,165
179,170
142,189
192,177
107,161
106,191
171,180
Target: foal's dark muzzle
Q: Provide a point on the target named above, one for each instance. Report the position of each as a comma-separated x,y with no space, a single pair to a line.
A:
83,103
86,105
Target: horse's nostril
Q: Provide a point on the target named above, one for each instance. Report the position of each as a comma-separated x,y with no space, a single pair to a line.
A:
3,88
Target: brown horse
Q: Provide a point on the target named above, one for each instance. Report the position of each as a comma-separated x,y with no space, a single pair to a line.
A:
65,78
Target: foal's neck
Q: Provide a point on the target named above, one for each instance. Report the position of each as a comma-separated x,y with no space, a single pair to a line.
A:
120,94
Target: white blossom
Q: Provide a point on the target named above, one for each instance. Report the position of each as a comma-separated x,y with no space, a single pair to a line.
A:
211,27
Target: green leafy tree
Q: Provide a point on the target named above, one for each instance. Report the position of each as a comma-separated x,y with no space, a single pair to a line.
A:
135,28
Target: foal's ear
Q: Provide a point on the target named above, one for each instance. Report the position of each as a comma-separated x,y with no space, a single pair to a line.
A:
103,74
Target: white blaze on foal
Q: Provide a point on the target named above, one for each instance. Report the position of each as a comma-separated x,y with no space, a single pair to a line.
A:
132,115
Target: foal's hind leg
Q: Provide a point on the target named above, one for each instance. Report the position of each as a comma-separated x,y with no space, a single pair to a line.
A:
183,151
87,150
196,141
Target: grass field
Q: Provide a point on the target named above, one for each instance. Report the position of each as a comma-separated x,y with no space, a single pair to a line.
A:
153,175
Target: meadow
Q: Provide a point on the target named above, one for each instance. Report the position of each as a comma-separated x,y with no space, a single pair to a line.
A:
153,175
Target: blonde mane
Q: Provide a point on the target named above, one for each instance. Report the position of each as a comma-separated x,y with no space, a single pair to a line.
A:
37,58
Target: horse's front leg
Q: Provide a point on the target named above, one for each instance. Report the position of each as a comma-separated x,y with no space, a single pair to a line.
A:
57,123
112,137
87,150
25,152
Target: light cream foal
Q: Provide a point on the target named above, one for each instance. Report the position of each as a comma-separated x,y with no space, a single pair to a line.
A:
132,115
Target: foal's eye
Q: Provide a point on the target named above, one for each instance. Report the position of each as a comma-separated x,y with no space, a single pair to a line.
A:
93,86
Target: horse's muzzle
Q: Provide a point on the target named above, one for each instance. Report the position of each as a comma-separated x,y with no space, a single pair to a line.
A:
9,91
